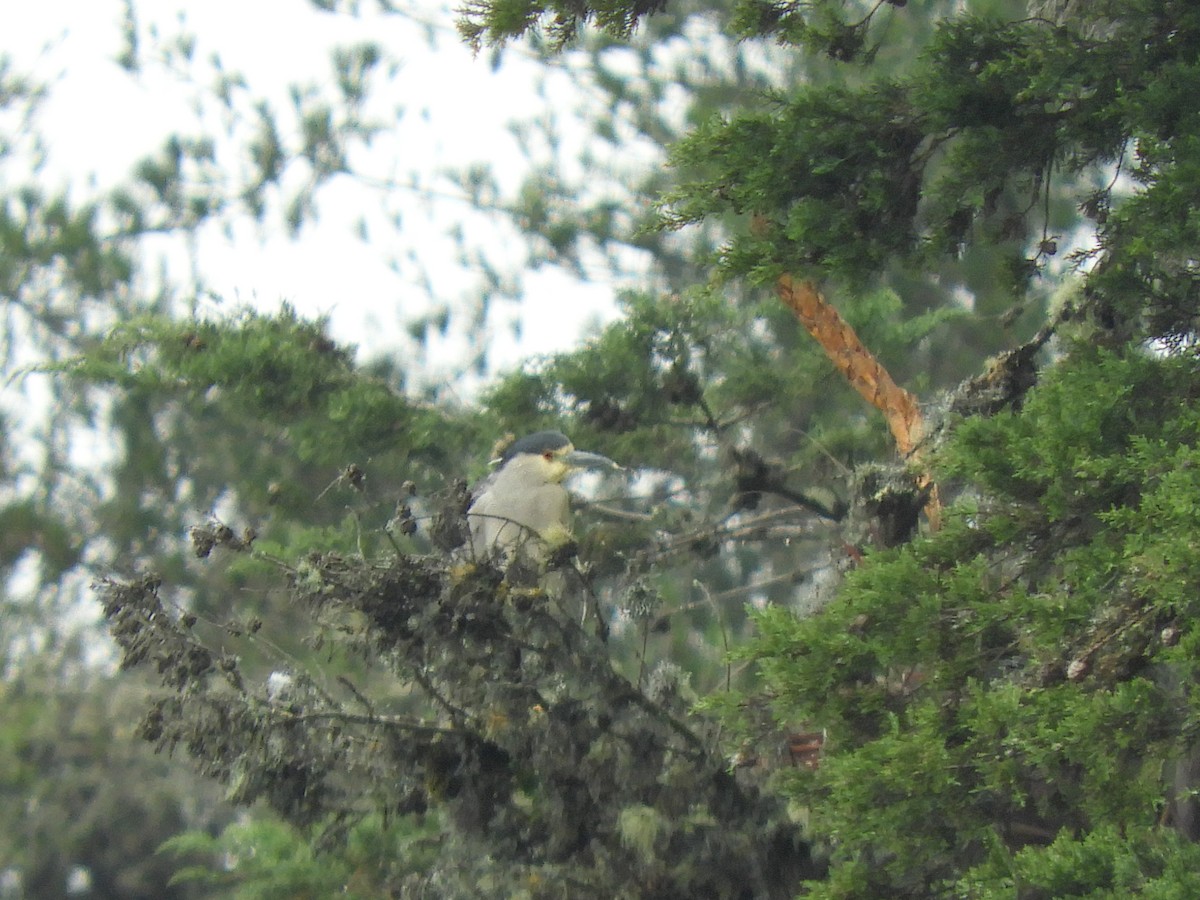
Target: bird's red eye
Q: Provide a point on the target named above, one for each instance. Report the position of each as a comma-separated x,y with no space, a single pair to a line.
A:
547,456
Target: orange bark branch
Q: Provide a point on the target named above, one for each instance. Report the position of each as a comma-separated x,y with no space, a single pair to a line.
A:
864,372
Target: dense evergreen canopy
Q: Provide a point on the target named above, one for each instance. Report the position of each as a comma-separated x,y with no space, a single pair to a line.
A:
980,607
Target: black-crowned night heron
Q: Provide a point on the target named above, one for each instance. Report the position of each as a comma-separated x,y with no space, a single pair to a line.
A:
523,504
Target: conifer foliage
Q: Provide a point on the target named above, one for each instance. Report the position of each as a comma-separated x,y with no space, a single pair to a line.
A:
961,590
1007,702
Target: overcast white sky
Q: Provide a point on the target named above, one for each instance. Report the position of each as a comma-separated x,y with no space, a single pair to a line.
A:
99,120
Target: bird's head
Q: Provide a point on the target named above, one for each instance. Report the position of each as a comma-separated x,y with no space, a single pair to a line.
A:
549,456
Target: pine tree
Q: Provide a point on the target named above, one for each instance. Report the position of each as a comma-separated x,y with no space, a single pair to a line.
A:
980,603
999,698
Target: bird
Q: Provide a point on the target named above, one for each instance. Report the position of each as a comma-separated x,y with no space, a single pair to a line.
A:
522,506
